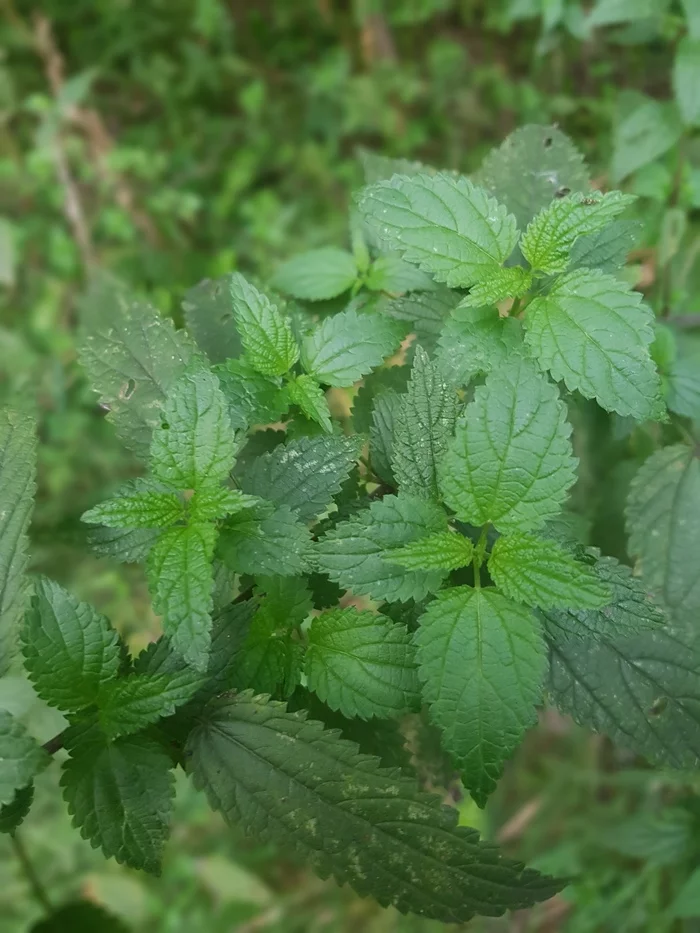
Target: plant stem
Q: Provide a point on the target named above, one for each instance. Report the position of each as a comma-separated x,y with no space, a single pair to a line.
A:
515,307
30,874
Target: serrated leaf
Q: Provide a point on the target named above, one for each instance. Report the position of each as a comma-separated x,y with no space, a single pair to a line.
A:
317,275
642,135
511,461
686,79
131,703
607,249
266,335
208,505
426,311
21,758
194,444
80,917
540,573
357,553
302,474
347,346
394,275
180,579
70,649
476,340
547,242
274,544
511,282
252,398
130,545
381,433
209,319
120,795
593,332
440,551
288,780
17,487
12,814
530,167
481,659
305,392
381,380
362,664
448,226
423,425
140,503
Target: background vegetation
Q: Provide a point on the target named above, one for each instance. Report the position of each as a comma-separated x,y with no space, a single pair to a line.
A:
169,141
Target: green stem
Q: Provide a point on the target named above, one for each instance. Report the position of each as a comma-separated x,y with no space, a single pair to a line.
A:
479,552
30,874
515,307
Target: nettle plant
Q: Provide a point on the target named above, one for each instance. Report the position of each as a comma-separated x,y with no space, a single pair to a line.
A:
336,586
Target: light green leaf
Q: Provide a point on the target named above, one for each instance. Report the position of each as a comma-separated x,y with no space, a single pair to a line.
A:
547,242
17,487
643,134
305,392
347,346
511,461
426,311
423,425
131,703
593,333
476,340
252,398
266,335
357,553
440,551
21,758
481,659
209,319
511,282
448,226
180,578
317,275
70,649
362,664
394,275
287,780
540,573
274,544
686,80
140,503
208,505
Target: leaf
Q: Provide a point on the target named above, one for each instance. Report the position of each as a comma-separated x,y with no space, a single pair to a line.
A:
287,780
357,553
271,658
593,333
194,444
305,392
540,573
252,398
663,523
448,226
275,544
131,703
423,425
686,78
180,578
362,664
265,334
317,275
347,346
209,319
21,758
443,550
393,275
381,434
687,901
530,167
302,474
607,249
120,795
547,242
80,917
683,381
14,813
427,312
70,649
643,134
511,461
481,659
132,362
511,282
475,340
130,545
608,12
17,487
140,503
691,8
381,380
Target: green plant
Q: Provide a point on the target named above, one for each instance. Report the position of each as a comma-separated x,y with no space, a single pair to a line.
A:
431,548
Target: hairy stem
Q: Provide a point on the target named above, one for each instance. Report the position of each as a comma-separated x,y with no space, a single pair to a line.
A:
33,880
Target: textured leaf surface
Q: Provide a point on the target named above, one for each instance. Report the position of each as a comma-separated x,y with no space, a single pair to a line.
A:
511,462
252,398
317,275
593,333
347,346
120,795
426,311
357,553
70,649
381,433
476,340
511,282
448,226
481,660
305,392
209,318
607,249
130,545
538,572
17,469
140,503
288,780
208,505
21,758
362,664
275,544
266,335
440,551
423,425
131,703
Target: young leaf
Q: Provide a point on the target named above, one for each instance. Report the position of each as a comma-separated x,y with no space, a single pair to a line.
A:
274,544
476,340
686,79
548,240
347,346
446,225
266,335
357,553
440,551
288,780
194,445
393,275
70,649
511,282
593,333
317,275
423,425
481,659
362,664
208,505
17,470
21,758
180,579
120,795
538,572
511,462
140,503
209,319
251,397
131,703
305,392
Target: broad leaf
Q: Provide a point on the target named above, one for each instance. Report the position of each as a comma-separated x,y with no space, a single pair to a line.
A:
396,276
266,335
476,340
305,392
251,397
131,703
440,551
607,249
317,275
683,380
686,80
209,319
21,758
131,545
643,134
426,312
277,543
140,503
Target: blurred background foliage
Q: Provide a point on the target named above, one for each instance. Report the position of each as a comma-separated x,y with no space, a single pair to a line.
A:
169,141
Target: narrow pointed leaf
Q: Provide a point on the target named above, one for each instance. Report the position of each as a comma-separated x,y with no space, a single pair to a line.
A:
265,333
443,550
305,392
